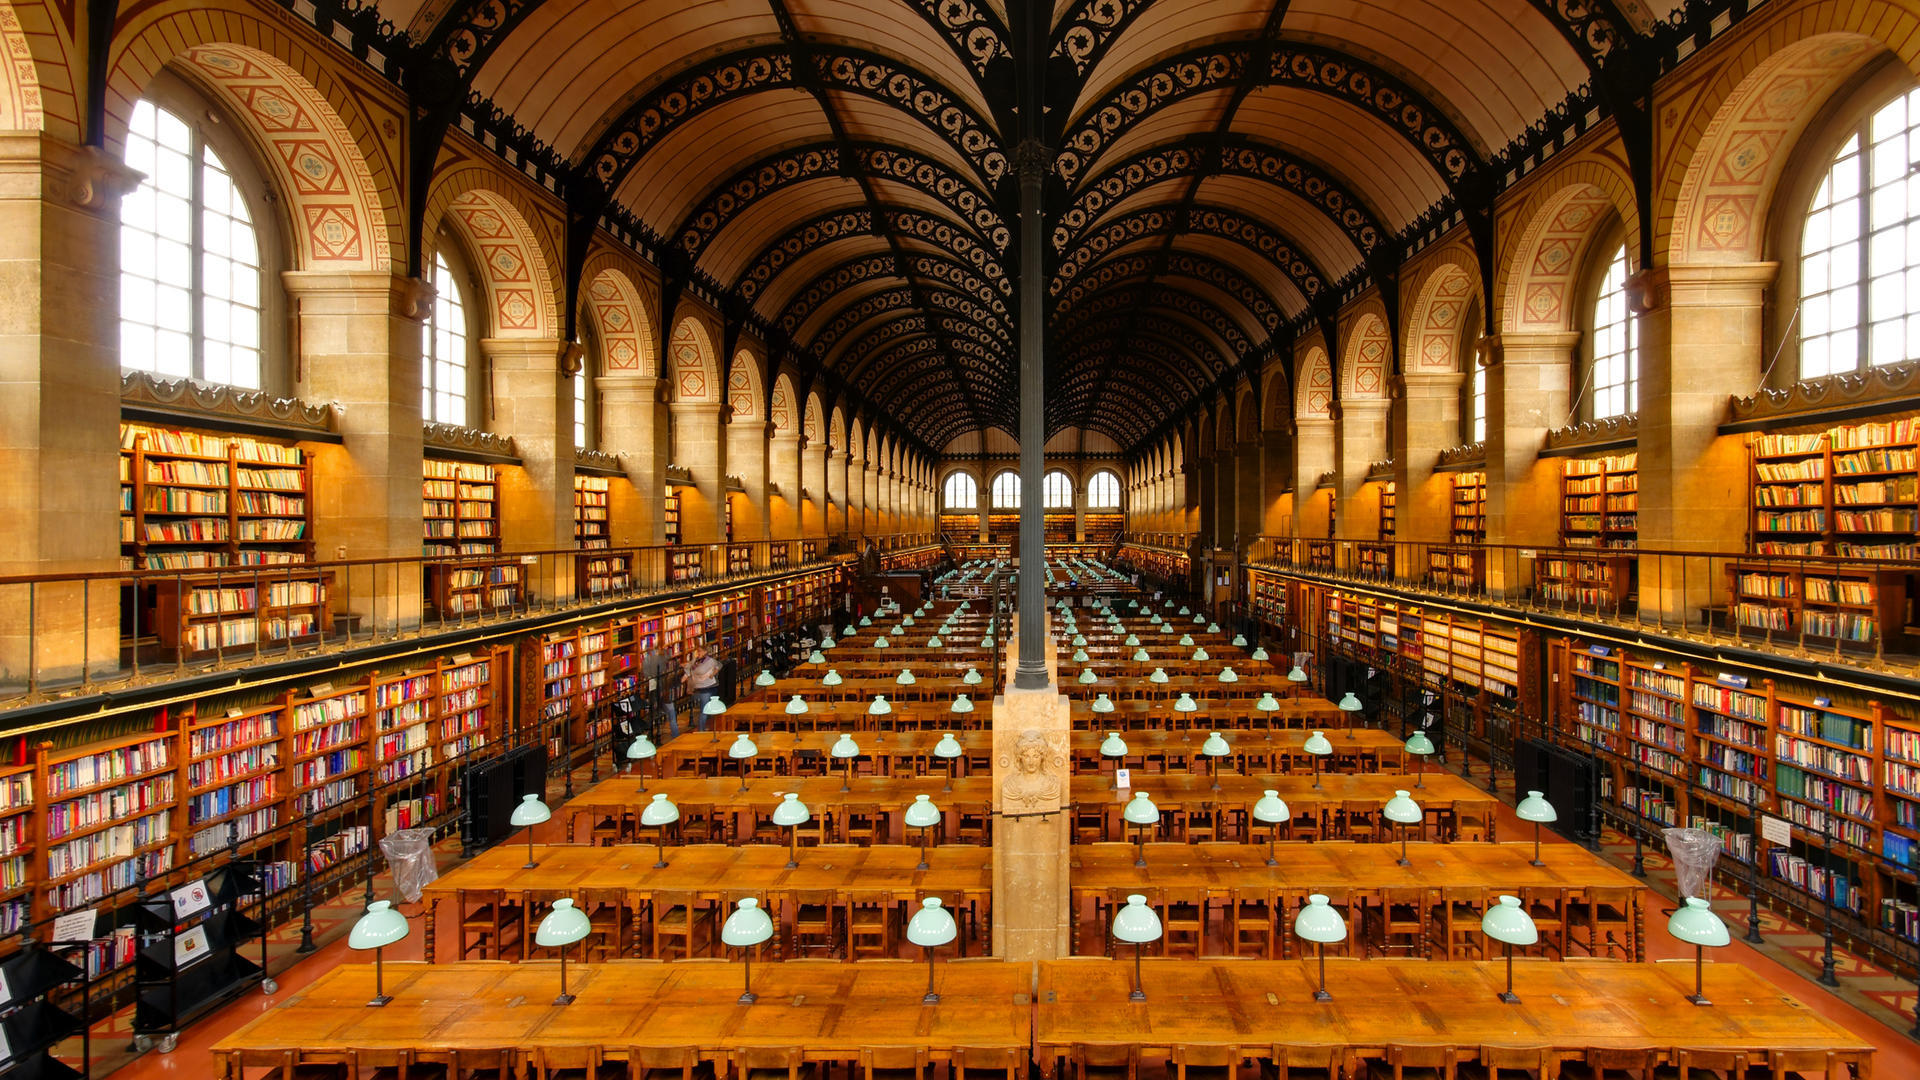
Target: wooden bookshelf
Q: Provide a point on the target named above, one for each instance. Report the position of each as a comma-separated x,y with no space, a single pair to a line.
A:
1469,508
1451,650
1057,527
474,588
1320,556
670,516
739,558
684,565
460,508
592,496
1389,503
1104,529
1851,490
191,500
1004,527
1601,582
1848,605
1157,562
1600,502
1267,598
605,572
960,526
1459,568
1376,560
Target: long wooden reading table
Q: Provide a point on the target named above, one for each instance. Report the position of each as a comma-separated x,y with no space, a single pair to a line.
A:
1444,796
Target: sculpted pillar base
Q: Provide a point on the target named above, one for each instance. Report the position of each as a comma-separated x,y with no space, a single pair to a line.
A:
1031,792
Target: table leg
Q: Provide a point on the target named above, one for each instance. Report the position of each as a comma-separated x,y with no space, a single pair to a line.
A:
433,909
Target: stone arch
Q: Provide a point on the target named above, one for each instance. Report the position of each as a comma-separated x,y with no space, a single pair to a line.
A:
1443,298
1313,398
972,472
1223,424
781,413
856,444
510,257
837,432
619,304
1246,414
813,425
1740,137
21,105
743,386
690,362
332,145
1276,407
1369,359
1543,266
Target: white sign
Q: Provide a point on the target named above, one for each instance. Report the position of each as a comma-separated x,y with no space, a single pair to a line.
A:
190,946
1775,830
190,898
1123,778
73,926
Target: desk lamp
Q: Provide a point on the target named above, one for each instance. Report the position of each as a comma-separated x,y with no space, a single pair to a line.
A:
1200,653
1213,750
1159,675
1140,656
1239,641
1537,809
746,927
1227,674
1142,814
1321,924
1079,640
1186,641
743,750
831,678
948,748
1297,675
905,678
657,815
931,927
1079,656
1166,628
1420,746
1695,923
1319,747
563,926
380,927
816,657
1186,703
714,707
1087,676
1260,654
971,678
790,814
1132,642
923,815
1271,809
1509,924
1402,811
1102,704
1184,609
796,705
765,678
960,704
866,620
1113,747
1267,703
846,750
1199,618
1212,627
1137,923
826,643
881,642
529,813
934,642
1350,704
640,749
878,706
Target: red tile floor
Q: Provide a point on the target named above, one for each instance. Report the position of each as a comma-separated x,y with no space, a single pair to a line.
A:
1870,1001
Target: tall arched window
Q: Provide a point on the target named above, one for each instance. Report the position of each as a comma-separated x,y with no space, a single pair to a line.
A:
1103,490
1058,490
960,493
443,390
1615,371
190,261
1860,228
1006,491
586,426
1477,406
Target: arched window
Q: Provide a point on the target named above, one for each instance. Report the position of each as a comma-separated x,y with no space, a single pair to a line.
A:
1614,373
1103,491
1477,406
586,429
961,493
1006,491
1059,491
190,260
1859,263
443,390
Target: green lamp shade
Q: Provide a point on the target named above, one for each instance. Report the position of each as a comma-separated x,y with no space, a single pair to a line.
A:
845,747
661,811
1185,610
816,657
879,707
1200,653
1420,746
747,926
1154,619
1166,628
826,642
900,631
742,747
530,811
1319,922
948,746
934,642
1186,640
1140,656
865,621
1271,809
1087,676
1199,618
1317,744
1227,674
1079,640
563,926
1136,923
1113,745
1102,704
790,811
921,813
1508,923
765,678
1141,810
1298,674
641,747
1260,653
1159,675
1216,745
1239,641
831,678
961,704
932,926
987,642
380,927
1079,656
906,620
1401,809
1349,703
1534,807
1133,605
1133,641
1213,628
1695,923
905,678
881,642
796,705
1267,703
1185,704
714,707
848,631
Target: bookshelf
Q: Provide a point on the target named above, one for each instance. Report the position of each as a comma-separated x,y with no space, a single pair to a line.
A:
1601,582
1850,605
1454,651
1004,528
1600,502
960,526
1469,507
460,508
604,572
473,588
1849,490
739,559
1104,529
1057,527
684,565
1157,562
1376,560
592,497
670,516
1389,504
1320,556
1267,598
1462,569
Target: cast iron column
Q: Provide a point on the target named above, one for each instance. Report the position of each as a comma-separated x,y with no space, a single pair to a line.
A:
1031,159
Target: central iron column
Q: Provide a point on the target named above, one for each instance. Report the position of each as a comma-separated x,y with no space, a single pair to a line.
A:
1032,160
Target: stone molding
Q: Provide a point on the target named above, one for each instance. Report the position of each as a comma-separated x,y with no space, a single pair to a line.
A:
196,400
1609,432
597,460
1379,470
466,440
1895,384
1462,457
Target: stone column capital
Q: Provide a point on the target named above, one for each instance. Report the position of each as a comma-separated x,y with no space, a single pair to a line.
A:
36,164
1426,383
1357,407
1527,347
525,353
1723,285
695,408
357,292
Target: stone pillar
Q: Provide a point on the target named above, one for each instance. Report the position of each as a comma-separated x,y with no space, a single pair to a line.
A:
1248,516
747,449
1427,422
813,483
1528,376
1276,472
1360,439
1700,341
870,505
1225,499
633,425
530,403
700,446
359,342
59,425
1032,786
1313,454
838,508
1185,512
785,471
1206,501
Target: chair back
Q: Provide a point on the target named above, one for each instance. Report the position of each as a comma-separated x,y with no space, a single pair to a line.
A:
642,1060
893,1059
1106,1056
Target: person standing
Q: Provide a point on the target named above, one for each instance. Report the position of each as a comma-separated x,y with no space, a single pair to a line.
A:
655,667
703,674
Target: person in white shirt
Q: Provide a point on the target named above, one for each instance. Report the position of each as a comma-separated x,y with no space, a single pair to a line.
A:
703,675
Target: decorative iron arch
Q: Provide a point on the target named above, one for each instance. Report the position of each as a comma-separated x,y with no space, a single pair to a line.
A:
1264,242
1135,268
1156,295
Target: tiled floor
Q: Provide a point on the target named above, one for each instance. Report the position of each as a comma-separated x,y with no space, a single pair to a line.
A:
1870,1001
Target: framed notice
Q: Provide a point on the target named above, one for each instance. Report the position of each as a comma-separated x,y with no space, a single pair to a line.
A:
1775,830
190,947
73,926
1123,778
191,898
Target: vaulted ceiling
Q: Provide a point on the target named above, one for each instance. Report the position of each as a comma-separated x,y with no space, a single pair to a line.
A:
845,168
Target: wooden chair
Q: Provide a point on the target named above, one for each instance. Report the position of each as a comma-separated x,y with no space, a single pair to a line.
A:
1503,1062
974,825
666,1063
1415,1063
491,921
869,929
771,1063
814,921
1206,1062
1183,920
1548,908
1604,920
1317,1062
1454,922
893,1062
368,1063
611,923
1399,921
1250,916
1806,1065
681,919
1360,820
1690,1063
1009,1062
1310,825
481,1063
285,1065
864,825
1613,1063
573,1063
1089,823
1105,1061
